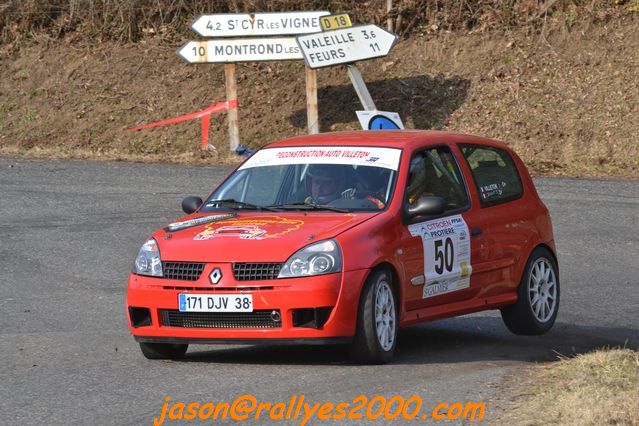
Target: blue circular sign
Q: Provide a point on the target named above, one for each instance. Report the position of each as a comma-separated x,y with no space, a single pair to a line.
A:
381,122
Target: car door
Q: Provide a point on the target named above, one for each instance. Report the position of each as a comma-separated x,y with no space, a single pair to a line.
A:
438,251
502,220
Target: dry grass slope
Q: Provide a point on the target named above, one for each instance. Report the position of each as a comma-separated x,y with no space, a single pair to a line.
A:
132,20
556,80
599,388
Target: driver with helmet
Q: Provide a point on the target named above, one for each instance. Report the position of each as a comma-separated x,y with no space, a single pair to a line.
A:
327,182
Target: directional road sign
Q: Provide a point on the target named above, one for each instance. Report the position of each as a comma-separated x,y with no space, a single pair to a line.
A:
345,45
240,50
257,24
333,22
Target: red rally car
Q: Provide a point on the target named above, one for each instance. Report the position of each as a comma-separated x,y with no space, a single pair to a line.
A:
344,238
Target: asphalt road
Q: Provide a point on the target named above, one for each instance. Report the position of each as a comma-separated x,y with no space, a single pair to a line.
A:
69,231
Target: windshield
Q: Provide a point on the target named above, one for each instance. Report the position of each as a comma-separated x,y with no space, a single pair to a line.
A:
307,178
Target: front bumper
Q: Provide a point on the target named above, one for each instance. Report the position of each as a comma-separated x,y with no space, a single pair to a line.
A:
253,341
339,292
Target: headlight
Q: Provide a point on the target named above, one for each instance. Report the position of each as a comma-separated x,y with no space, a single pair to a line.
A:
323,257
148,261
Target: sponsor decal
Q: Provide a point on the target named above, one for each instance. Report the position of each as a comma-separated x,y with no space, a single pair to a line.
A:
369,156
447,266
323,153
492,190
250,228
438,288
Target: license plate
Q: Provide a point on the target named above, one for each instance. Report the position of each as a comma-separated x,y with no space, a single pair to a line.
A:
190,302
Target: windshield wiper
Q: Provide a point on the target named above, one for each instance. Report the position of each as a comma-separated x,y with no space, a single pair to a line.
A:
241,205
305,206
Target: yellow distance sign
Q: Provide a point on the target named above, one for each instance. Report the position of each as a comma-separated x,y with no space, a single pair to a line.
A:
333,22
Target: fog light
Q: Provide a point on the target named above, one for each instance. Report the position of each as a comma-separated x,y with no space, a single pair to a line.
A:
140,317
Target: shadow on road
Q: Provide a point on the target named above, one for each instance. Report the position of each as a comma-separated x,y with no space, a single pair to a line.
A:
424,101
457,340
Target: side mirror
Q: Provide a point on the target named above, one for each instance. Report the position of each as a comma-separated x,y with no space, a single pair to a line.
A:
191,204
427,205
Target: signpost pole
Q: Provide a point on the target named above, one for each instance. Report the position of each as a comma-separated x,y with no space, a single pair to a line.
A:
360,88
389,20
312,115
231,95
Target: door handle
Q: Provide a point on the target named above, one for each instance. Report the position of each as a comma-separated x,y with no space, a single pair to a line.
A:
474,231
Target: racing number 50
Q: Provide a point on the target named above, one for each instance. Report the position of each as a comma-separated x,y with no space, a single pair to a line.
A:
444,255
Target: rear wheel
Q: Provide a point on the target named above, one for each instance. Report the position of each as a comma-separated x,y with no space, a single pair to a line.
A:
163,350
536,309
376,334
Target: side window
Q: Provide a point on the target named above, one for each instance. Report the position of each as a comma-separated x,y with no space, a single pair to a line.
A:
495,174
434,172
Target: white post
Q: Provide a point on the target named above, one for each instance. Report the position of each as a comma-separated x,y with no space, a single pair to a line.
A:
231,95
360,88
312,114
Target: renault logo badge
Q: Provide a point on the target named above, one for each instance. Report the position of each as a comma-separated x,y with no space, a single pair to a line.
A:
215,276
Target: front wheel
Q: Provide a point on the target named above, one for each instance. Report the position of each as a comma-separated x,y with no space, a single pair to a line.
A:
538,303
163,350
376,334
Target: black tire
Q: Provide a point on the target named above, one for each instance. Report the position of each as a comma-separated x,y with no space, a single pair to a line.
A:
530,316
163,350
366,346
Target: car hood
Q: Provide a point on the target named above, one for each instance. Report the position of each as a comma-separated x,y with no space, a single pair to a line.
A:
252,237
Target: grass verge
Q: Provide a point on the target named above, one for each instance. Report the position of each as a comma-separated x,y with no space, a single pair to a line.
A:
598,388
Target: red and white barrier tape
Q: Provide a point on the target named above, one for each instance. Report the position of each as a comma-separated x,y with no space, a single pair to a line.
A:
205,115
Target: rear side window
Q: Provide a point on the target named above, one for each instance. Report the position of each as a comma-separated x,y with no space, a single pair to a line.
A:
495,174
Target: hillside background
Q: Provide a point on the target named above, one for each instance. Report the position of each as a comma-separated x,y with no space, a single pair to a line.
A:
556,80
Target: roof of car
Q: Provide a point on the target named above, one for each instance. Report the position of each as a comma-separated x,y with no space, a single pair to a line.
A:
385,138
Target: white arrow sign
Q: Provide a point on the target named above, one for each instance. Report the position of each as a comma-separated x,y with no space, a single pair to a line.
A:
257,24
240,50
345,45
